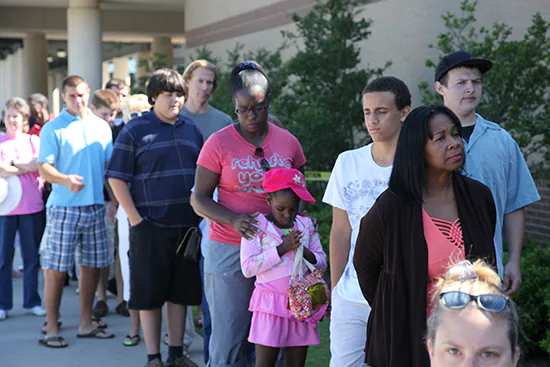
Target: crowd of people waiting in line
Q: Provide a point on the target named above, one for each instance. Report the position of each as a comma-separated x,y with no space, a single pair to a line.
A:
416,244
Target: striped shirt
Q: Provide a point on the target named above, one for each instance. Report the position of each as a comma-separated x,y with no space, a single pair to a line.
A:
158,160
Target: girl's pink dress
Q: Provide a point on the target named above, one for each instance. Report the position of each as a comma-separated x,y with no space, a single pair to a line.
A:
272,322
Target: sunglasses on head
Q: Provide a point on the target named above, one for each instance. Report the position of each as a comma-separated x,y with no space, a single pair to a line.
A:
264,164
135,114
487,302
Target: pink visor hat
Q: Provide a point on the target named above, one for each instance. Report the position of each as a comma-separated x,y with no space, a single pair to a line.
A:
287,178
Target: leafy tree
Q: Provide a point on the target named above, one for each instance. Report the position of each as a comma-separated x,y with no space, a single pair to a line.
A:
515,90
322,102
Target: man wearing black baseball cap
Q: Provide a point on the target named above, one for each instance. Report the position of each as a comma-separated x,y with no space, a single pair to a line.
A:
492,155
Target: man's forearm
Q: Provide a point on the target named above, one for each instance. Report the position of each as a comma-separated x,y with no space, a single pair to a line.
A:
514,227
51,174
339,252
122,194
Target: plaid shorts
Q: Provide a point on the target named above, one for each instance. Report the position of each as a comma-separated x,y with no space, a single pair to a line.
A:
70,229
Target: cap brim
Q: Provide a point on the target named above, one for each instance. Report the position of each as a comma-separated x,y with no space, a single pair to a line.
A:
482,64
15,193
304,194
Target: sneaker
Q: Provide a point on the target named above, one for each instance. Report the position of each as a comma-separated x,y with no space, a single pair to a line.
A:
38,311
182,361
3,315
155,363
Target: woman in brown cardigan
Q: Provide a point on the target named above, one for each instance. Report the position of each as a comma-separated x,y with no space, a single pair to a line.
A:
429,215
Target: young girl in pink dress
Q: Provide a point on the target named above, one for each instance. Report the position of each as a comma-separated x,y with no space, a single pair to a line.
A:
269,257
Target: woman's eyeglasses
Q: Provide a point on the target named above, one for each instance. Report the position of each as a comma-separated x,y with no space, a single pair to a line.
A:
264,164
488,302
257,109
135,114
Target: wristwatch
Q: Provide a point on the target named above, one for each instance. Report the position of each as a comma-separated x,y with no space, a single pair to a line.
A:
12,163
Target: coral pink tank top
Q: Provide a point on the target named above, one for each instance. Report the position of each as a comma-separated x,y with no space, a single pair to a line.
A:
445,244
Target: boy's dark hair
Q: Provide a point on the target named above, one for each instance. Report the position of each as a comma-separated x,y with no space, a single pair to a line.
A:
164,80
408,177
247,75
397,87
116,83
72,81
105,98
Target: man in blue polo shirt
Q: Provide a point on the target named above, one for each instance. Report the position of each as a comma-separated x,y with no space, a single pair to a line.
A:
74,149
492,156
151,172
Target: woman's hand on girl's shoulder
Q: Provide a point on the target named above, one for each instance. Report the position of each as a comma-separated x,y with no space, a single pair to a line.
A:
246,225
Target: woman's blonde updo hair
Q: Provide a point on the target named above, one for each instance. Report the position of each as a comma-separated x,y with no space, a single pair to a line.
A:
475,279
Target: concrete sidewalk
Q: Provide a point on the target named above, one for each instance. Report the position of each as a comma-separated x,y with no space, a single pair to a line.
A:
20,332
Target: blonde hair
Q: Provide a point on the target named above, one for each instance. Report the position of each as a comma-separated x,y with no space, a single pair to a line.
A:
190,69
475,279
135,103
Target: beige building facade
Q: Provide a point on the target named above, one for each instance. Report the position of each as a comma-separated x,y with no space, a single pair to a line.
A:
401,29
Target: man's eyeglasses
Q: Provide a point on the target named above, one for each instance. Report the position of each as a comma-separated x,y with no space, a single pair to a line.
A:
135,114
257,109
264,164
488,302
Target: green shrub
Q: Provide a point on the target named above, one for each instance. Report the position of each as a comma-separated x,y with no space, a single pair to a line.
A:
533,298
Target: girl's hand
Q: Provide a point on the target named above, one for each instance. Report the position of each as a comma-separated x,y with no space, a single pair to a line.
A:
246,225
291,242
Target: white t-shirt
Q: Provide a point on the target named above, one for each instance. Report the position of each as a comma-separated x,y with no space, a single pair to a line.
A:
355,184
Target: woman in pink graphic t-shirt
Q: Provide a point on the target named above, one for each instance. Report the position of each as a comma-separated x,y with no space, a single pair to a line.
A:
234,160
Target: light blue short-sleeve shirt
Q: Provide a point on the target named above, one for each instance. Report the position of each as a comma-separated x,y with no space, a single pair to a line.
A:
494,158
77,146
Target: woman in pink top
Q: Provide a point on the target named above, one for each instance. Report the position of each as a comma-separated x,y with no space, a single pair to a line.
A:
269,257
234,160
18,153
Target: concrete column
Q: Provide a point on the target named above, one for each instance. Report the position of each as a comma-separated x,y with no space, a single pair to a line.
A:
2,95
56,101
19,76
163,46
8,79
84,41
121,68
35,63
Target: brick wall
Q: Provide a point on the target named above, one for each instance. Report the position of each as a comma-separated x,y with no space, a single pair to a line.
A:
537,215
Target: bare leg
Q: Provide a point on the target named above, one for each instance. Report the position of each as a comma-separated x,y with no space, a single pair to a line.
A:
102,284
266,356
119,281
295,356
151,321
53,290
134,322
175,323
89,278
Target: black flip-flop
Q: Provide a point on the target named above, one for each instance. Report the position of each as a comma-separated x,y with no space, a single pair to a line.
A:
45,325
97,320
134,340
46,342
93,334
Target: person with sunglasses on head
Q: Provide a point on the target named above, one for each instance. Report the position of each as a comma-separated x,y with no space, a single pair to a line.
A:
473,322
234,160
429,215
151,173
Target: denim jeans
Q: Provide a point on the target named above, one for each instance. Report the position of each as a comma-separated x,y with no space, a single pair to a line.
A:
30,227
